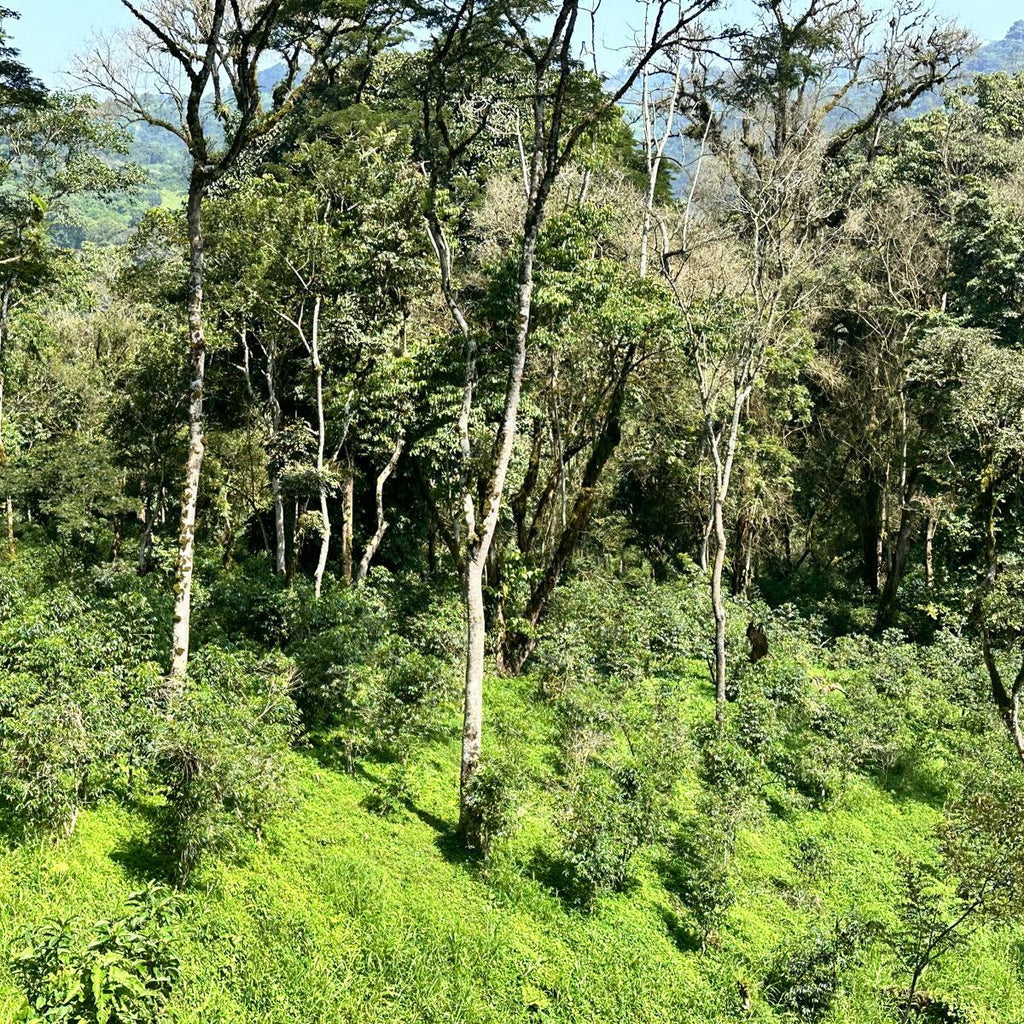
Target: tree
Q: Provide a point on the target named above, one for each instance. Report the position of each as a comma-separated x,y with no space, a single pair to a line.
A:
57,150
319,259
186,52
20,93
20,90
466,45
597,324
981,844
785,175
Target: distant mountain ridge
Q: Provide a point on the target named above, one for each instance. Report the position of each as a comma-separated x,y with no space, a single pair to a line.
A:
1006,54
165,159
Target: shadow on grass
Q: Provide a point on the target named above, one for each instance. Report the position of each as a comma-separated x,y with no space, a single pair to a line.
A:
552,872
448,841
912,780
141,860
680,932
12,831
140,854
331,755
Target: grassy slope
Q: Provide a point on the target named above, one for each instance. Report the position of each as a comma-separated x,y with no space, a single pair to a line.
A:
343,916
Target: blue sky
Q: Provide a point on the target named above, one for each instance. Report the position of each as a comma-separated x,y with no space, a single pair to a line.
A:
51,31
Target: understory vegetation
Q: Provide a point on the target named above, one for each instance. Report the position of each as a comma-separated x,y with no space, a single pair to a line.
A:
638,864
502,542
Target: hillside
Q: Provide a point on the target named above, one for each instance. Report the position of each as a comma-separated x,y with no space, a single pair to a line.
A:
347,913
1006,54
447,577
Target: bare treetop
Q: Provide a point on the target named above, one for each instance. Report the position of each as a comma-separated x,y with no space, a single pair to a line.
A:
187,61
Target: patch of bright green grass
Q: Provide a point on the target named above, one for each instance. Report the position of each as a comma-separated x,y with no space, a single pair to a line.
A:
344,916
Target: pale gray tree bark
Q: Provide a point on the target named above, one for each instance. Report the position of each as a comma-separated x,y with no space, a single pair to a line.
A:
373,545
180,52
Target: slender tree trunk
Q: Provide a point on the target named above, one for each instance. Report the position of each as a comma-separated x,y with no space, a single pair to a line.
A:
744,539
473,696
196,441
654,147
720,491
280,535
494,610
989,506
348,512
705,543
929,552
748,563
325,526
382,523
718,604
884,537
480,539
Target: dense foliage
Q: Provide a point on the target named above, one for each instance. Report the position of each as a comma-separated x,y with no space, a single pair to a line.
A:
493,543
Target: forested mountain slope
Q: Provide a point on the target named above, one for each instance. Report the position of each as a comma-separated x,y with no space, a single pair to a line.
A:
449,574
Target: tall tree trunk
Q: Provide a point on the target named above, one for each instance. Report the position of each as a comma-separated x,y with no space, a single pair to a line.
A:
293,562
348,513
705,543
115,547
744,540
325,525
718,603
280,536
382,524
929,552
473,695
480,539
196,445
723,467
494,609
654,148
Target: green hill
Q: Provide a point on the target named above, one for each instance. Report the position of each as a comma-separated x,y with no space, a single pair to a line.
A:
1006,54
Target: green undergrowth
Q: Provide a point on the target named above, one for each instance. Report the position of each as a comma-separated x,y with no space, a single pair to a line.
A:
304,797
344,915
